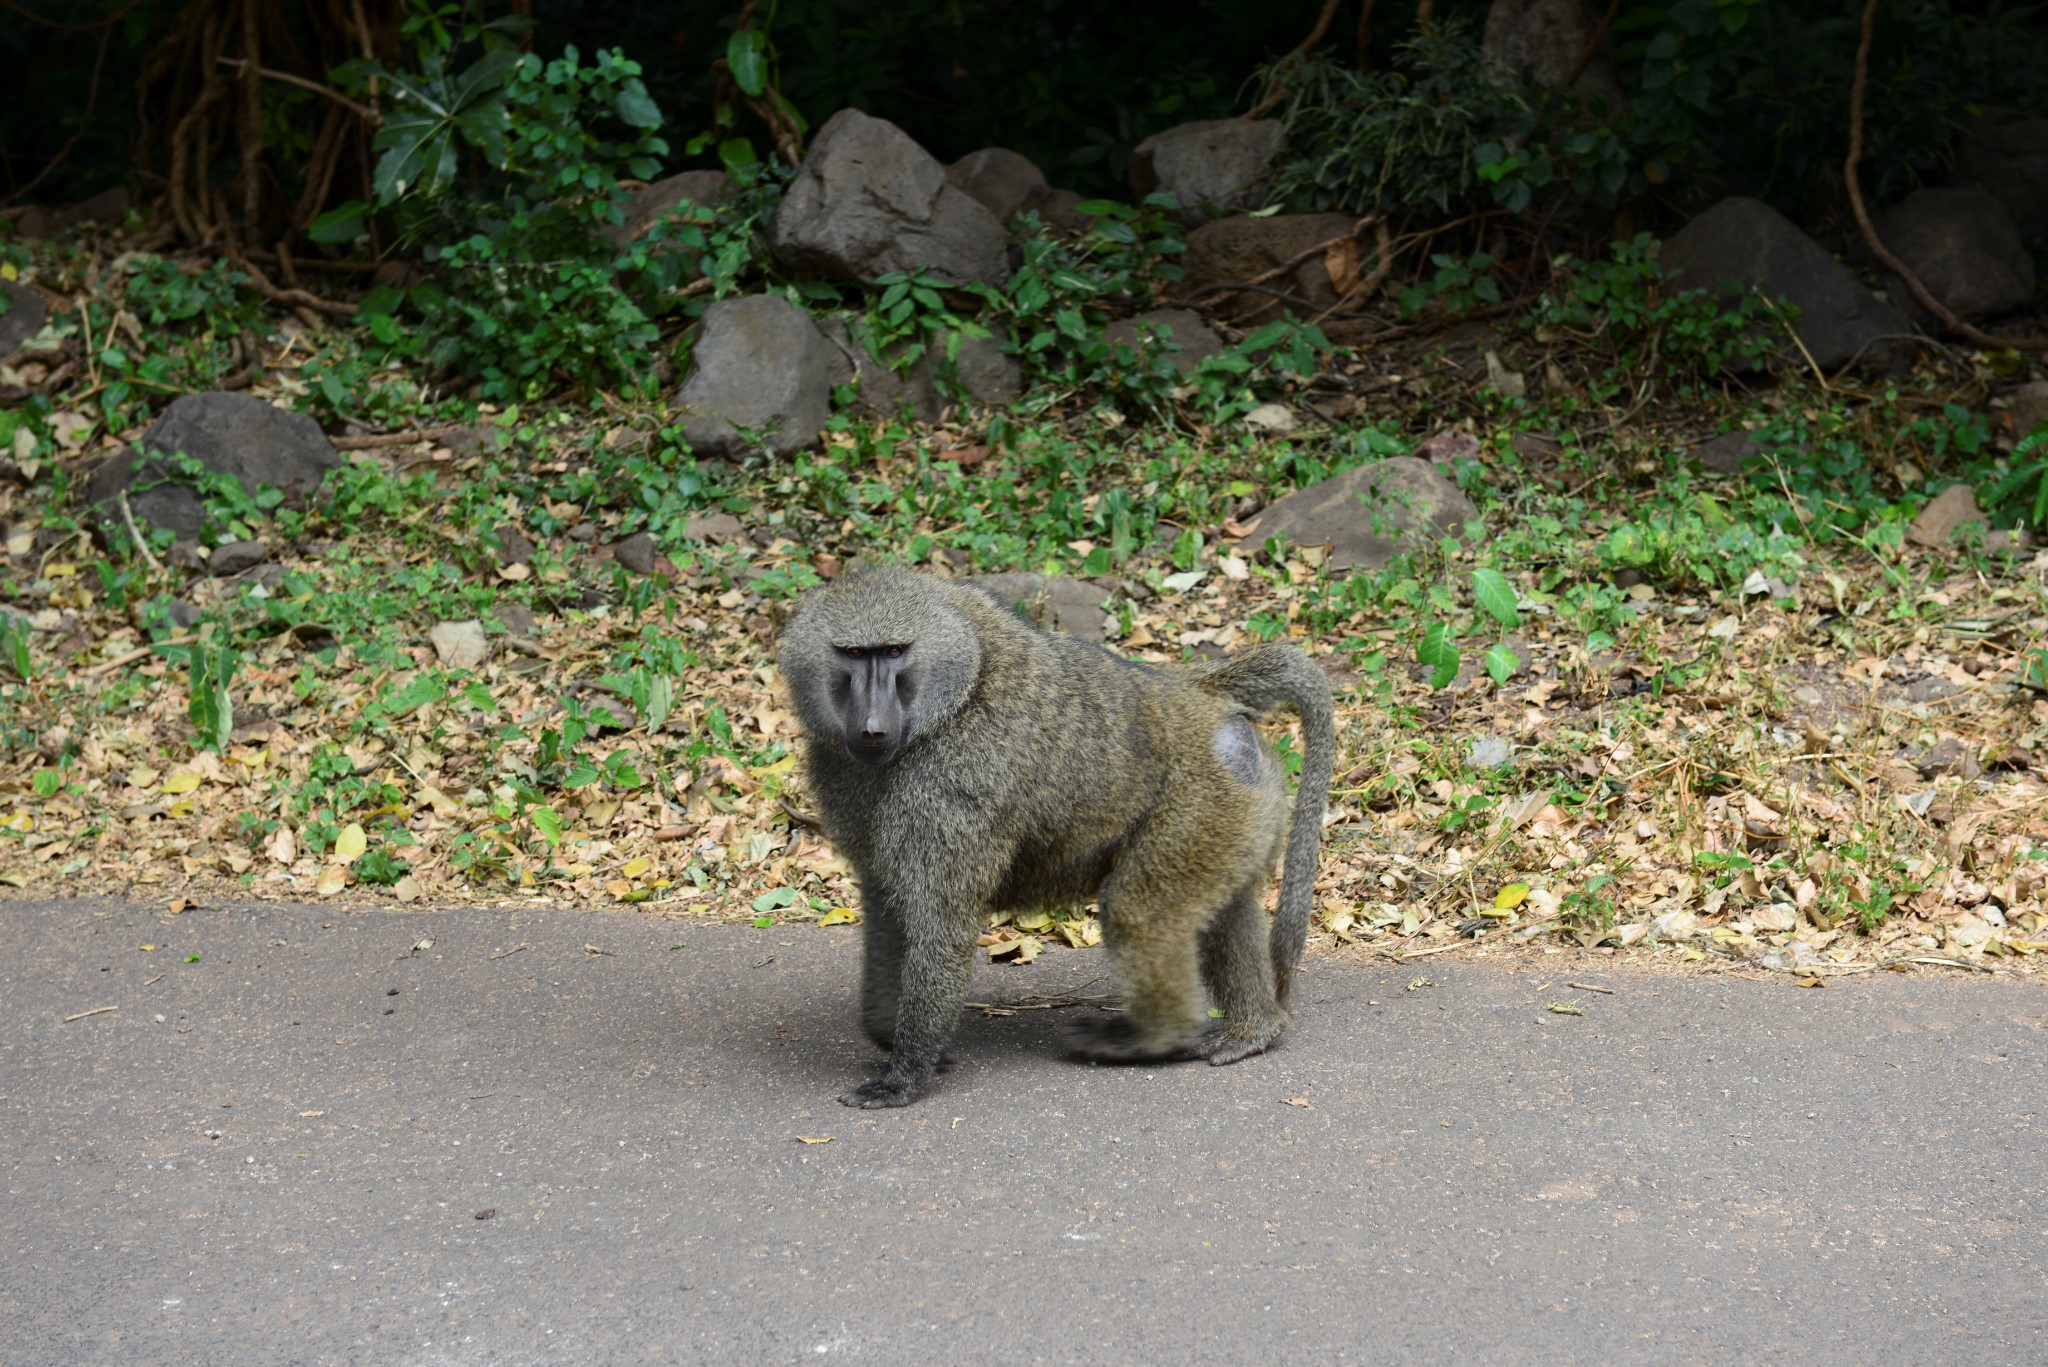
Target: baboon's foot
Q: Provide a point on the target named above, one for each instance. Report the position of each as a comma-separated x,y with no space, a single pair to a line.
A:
1235,1040
882,1093
1118,1039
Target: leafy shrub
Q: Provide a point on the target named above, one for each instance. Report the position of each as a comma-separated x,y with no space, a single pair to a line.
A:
1625,306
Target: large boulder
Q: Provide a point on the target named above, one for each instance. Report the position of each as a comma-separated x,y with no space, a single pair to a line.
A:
1238,250
646,207
1210,166
2006,151
1367,514
1053,601
1542,40
1181,333
1005,183
1962,244
228,434
869,201
22,315
1747,244
760,363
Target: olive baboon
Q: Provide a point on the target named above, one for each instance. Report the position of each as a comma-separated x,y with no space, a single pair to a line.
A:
965,761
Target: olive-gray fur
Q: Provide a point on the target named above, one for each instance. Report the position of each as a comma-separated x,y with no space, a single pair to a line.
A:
1034,769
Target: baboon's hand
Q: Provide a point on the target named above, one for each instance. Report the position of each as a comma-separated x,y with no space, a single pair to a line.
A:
881,1093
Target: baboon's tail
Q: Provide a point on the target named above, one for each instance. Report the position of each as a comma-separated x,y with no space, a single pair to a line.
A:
1261,680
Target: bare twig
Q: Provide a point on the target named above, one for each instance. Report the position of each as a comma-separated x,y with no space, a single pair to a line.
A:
134,536
1591,987
96,1011
270,74
1941,311
510,952
270,290
379,439
1593,44
1278,92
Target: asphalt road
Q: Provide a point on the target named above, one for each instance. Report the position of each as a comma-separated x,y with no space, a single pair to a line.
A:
281,1152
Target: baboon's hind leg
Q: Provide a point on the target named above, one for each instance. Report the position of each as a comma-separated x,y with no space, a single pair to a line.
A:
1152,944
1237,965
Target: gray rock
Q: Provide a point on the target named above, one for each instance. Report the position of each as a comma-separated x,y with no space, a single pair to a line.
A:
2006,151
514,548
24,317
1209,166
227,433
1543,41
986,373
1005,183
868,201
1060,212
1368,514
232,557
1726,454
1235,250
1181,333
713,527
105,207
182,614
1747,242
1055,602
637,553
1962,244
460,645
646,207
2029,406
759,363
1939,521
517,618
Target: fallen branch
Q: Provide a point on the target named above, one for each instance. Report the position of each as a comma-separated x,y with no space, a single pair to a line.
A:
135,536
270,290
96,1011
1946,316
377,439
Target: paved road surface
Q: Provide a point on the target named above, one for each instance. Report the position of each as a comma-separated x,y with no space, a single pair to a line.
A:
279,1153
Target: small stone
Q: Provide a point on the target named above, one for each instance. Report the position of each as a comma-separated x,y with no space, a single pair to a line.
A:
517,618
1726,454
713,527
1491,752
235,556
513,546
637,553
2029,406
460,645
1939,521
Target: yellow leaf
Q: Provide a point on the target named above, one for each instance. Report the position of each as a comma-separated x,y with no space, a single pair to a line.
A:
781,766
815,1139
142,775
578,870
184,781
147,948
8,272
619,887
18,821
351,843
840,916
332,879
1511,896
637,866
180,810
1034,920
1023,950
1565,1009
61,570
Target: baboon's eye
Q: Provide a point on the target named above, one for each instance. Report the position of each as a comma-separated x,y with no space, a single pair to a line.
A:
895,651
857,652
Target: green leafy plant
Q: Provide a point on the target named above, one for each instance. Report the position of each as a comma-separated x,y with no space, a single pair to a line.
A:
2022,494
210,671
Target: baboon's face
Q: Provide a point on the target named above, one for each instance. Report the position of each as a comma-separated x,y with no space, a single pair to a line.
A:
873,690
